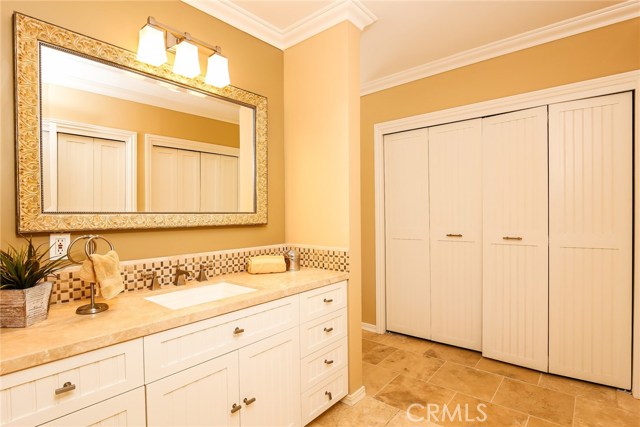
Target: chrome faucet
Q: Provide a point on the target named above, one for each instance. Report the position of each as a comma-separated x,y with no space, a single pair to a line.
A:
180,276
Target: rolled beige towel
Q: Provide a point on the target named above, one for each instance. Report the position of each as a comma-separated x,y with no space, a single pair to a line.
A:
266,264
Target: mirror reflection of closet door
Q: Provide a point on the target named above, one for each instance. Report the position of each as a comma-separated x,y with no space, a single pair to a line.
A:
219,183
90,174
175,180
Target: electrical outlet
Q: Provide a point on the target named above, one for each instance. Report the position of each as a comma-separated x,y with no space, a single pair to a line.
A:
59,245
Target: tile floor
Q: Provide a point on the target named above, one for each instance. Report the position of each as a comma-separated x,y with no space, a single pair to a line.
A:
400,371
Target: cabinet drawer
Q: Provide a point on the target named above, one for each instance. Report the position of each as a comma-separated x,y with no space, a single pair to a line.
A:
324,363
177,349
315,334
318,399
319,302
125,410
29,397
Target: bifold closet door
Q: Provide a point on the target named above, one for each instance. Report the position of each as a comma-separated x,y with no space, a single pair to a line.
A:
406,194
455,196
590,221
515,238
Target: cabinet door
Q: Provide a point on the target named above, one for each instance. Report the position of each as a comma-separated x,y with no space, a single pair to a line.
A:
270,381
591,229
199,396
125,410
515,238
406,194
455,198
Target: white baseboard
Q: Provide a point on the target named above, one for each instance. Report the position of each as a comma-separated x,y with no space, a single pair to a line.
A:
369,327
355,397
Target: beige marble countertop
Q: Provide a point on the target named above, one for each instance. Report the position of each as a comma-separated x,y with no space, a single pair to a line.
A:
130,316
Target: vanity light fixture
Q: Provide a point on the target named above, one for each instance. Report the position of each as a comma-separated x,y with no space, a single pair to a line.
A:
157,38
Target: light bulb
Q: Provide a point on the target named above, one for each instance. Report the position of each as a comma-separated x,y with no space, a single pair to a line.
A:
187,63
151,46
217,71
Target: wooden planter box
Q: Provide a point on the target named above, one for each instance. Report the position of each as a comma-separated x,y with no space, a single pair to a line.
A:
24,307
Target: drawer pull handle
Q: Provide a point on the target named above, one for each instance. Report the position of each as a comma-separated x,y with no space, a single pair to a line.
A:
328,394
511,238
249,401
235,408
454,235
327,330
328,362
237,331
328,300
65,388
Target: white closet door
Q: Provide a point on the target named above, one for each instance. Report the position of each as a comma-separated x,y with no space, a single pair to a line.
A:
219,183
109,176
590,219
407,232
75,173
188,181
164,177
455,196
515,236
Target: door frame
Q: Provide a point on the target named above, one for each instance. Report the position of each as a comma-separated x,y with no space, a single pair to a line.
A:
629,81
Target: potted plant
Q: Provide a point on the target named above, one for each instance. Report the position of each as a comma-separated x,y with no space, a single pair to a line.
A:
24,291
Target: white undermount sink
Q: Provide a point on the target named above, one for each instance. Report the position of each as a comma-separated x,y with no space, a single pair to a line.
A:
201,295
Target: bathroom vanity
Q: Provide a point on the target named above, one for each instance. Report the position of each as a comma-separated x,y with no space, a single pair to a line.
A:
276,356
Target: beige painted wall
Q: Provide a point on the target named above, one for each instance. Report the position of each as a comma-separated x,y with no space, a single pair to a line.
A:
322,157
254,66
605,51
63,103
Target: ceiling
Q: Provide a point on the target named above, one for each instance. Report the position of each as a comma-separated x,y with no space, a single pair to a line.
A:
404,40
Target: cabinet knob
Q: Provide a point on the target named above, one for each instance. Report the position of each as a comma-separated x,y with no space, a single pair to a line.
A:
328,394
237,331
511,238
327,330
68,386
328,300
249,401
235,408
328,362
454,235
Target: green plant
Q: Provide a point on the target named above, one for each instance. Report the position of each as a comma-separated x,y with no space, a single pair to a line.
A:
25,267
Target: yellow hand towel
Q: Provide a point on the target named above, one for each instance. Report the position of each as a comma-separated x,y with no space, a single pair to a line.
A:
107,270
86,271
266,264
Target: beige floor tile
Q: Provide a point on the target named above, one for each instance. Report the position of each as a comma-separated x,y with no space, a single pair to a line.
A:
464,379
406,343
372,336
628,402
377,353
537,422
401,419
509,370
404,391
454,354
540,402
412,364
591,413
577,388
368,345
375,377
467,411
367,412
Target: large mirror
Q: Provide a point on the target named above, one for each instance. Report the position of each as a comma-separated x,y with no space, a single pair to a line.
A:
107,142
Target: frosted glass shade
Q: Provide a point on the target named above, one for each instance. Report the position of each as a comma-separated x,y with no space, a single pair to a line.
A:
187,63
151,47
217,71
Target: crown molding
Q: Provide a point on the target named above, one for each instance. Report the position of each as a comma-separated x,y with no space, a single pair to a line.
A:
338,11
590,21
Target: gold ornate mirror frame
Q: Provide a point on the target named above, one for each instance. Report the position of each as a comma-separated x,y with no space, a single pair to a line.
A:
29,33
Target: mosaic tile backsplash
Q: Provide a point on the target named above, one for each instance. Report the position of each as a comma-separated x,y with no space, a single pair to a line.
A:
68,287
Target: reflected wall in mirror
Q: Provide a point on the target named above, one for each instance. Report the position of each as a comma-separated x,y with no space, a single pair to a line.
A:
114,143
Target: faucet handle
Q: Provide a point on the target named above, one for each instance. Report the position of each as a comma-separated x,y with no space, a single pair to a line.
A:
202,275
155,283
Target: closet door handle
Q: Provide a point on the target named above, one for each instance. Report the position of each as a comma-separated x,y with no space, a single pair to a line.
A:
454,235
235,408
511,238
249,401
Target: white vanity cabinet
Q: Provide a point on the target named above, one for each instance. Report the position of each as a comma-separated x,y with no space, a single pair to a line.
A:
46,393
